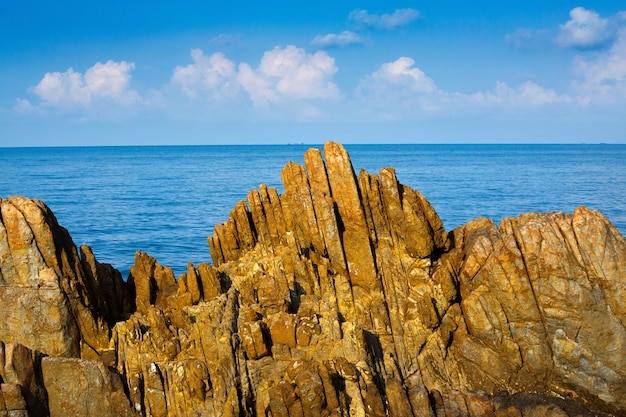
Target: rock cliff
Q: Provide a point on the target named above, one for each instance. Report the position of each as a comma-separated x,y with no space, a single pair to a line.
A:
344,296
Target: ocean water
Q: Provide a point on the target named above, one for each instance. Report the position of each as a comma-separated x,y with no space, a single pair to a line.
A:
166,200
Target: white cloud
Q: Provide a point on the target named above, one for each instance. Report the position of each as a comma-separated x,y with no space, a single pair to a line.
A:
260,88
400,76
528,94
400,17
287,82
344,38
400,89
401,72
604,78
23,106
214,75
585,29
399,85
289,74
109,81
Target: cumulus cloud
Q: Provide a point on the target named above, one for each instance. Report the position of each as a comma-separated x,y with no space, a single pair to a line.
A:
603,78
400,17
108,81
399,85
23,106
213,75
528,94
344,38
286,76
585,29
400,73
400,88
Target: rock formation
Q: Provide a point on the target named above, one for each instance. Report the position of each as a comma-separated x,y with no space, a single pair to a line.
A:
344,296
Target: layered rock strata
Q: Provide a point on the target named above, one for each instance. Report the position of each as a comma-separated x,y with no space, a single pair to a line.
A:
344,296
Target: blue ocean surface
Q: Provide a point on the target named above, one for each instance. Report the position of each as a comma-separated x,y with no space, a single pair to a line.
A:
166,200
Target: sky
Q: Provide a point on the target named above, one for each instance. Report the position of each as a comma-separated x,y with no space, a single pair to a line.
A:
90,73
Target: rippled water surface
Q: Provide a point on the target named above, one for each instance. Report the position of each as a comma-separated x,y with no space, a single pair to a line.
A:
166,200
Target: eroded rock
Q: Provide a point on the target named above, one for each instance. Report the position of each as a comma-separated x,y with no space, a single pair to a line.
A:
344,296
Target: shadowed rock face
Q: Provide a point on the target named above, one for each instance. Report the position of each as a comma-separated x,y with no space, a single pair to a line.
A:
344,296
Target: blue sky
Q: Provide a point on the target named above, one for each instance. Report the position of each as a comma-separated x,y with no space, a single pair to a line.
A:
191,72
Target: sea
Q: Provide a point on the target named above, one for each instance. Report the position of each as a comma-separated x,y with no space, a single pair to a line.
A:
165,200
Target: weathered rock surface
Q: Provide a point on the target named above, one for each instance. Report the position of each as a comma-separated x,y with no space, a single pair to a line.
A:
344,296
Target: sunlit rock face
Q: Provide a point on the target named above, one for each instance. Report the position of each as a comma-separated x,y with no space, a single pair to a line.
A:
344,296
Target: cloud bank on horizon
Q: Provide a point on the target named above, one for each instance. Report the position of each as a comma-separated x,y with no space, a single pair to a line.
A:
307,83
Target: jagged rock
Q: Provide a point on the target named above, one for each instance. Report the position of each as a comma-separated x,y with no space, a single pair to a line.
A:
22,386
344,296
110,292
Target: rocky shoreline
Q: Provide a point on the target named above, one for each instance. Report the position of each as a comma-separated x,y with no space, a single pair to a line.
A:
344,296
